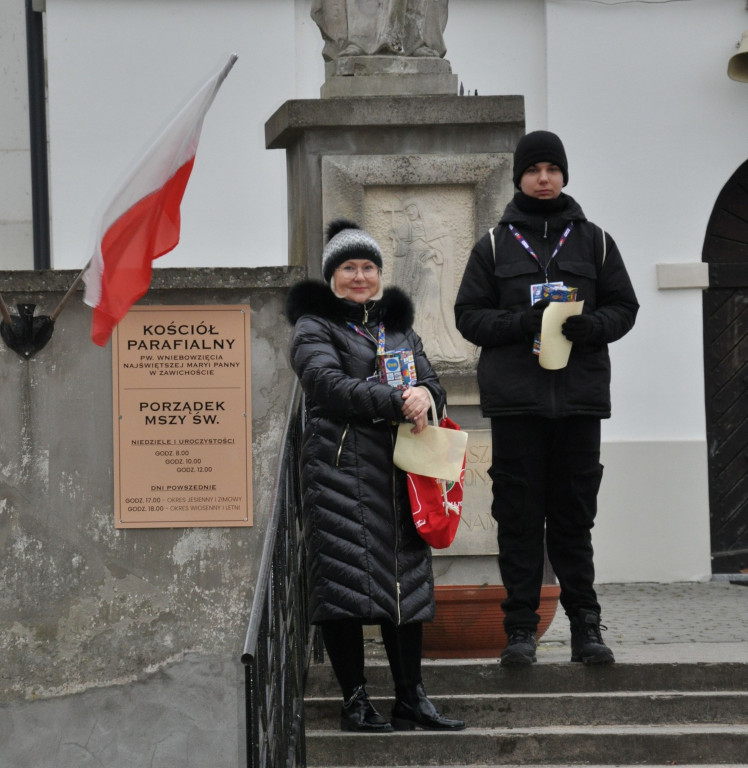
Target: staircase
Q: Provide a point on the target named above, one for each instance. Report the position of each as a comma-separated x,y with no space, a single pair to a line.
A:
555,714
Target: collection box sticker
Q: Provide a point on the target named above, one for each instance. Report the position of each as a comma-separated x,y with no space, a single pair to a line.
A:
182,418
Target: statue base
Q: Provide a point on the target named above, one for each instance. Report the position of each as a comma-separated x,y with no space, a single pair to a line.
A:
349,76
426,175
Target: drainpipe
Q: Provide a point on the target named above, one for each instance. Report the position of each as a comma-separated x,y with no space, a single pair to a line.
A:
38,132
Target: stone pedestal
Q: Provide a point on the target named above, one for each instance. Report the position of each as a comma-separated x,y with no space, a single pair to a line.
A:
426,175
410,133
350,76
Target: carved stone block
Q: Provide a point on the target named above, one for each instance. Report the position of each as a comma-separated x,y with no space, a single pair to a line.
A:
425,212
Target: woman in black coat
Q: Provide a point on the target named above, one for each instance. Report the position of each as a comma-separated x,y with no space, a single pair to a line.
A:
367,564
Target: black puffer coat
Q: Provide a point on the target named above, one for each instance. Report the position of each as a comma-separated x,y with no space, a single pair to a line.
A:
365,558
494,293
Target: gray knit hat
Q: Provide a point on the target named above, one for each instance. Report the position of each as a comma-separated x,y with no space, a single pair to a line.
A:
346,240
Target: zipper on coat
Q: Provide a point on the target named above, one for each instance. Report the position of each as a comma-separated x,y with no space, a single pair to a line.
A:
366,312
340,445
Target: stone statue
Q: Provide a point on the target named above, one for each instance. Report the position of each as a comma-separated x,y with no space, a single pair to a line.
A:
381,27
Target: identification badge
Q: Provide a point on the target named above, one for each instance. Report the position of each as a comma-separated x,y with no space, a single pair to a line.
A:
536,291
552,292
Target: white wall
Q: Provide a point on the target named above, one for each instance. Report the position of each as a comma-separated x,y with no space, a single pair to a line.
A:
16,236
653,519
117,71
499,48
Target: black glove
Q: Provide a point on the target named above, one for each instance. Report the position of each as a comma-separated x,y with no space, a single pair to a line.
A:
582,329
532,319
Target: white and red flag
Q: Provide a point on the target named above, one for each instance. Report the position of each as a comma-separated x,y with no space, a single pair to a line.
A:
142,221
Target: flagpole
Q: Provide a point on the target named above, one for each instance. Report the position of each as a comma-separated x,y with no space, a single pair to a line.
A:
224,74
70,292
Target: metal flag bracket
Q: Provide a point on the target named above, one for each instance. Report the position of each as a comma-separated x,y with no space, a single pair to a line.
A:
26,333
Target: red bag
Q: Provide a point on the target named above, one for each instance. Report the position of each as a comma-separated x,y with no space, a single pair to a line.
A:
437,504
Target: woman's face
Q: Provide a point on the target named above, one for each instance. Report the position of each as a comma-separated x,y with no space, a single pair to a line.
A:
543,181
356,280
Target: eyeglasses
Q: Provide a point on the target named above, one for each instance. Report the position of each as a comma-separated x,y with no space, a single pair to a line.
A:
370,270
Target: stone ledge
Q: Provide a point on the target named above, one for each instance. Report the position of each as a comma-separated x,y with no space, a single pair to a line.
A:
361,66
686,275
202,278
297,116
389,85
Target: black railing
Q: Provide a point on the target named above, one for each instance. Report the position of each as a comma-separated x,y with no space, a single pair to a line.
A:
279,638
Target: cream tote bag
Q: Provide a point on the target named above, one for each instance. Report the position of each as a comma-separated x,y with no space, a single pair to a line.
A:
437,451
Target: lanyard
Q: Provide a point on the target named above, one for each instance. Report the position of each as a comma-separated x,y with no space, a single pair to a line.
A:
532,253
367,335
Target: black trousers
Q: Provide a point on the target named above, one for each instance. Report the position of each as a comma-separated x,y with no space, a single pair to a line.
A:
344,642
546,474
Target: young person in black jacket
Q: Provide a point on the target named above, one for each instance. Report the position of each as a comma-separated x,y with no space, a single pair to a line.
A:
545,424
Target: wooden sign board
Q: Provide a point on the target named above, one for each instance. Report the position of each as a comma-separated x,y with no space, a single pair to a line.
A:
182,417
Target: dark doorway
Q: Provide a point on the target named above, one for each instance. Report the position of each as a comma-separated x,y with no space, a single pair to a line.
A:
725,305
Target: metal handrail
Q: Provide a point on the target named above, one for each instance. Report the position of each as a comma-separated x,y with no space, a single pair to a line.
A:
279,638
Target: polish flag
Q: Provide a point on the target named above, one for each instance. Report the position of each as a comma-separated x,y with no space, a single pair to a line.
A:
142,220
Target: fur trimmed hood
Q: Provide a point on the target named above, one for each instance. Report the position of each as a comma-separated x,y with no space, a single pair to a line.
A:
313,297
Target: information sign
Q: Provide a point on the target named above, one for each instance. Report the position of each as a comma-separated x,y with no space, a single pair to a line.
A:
182,418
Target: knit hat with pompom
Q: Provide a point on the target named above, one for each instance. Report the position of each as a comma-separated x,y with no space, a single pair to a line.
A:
346,240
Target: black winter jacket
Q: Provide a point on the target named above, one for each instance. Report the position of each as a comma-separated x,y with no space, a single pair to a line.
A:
494,293
365,558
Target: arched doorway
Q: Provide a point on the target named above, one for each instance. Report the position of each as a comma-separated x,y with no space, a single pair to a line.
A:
725,305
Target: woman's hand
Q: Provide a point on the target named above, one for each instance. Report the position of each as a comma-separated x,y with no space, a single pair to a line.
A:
416,404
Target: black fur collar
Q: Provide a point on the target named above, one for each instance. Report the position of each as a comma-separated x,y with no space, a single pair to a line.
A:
313,297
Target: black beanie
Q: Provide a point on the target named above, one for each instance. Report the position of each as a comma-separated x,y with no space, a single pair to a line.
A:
539,147
346,240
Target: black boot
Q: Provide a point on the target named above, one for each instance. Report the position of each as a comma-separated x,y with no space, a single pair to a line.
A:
587,644
359,714
520,647
415,710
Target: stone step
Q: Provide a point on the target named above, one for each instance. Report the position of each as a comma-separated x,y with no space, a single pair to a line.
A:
488,677
561,709
620,745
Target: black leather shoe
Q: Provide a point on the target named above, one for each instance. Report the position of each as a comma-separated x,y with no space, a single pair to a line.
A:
359,714
419,712
520,648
